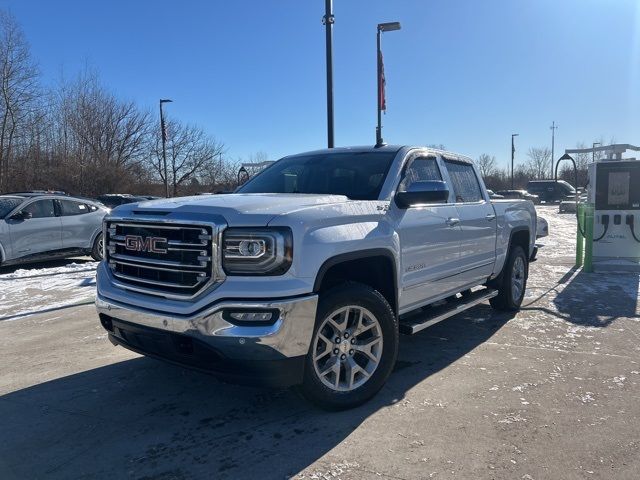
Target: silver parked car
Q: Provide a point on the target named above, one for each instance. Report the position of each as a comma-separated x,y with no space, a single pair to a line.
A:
36,227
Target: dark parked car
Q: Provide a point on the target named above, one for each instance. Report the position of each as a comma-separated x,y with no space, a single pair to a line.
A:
36,227
493,195
112,200
519,195
551,191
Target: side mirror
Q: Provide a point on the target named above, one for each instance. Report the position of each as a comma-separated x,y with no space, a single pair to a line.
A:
21,216
421,193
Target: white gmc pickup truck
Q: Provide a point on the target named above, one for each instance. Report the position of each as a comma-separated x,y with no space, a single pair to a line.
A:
309,272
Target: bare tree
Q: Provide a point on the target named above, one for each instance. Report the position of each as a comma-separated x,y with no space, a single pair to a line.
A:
18,89
102,136
537,162
486,164
190,154
437,146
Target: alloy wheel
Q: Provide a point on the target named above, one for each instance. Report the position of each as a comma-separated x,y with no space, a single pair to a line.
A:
347,348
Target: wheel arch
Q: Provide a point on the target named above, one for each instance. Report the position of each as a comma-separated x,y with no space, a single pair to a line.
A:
520,236
375,267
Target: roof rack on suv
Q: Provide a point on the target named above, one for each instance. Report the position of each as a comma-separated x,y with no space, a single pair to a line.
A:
33,193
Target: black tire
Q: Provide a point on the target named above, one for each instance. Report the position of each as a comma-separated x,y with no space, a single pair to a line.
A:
505,300
96,251
356,295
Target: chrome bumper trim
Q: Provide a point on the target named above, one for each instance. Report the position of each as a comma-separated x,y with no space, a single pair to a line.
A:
289,336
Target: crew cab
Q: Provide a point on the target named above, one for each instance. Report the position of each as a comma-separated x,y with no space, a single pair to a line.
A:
309,272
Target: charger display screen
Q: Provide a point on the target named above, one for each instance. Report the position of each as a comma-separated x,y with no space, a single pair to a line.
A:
618,185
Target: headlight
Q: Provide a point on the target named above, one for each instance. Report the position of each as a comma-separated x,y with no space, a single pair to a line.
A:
257,251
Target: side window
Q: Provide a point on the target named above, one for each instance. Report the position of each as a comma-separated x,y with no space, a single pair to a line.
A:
421,169
72,208
464,180
41,209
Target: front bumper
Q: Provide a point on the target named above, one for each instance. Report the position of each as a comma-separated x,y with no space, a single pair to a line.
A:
267,355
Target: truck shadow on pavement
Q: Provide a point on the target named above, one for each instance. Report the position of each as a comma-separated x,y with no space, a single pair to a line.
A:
143,419
592,299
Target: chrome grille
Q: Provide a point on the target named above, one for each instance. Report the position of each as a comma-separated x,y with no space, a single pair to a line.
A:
164,259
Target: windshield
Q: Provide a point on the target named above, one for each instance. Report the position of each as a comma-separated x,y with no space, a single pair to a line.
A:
567,187
8,203
358,176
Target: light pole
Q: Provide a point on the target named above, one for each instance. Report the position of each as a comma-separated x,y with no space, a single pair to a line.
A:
163,132
382,27
553,144
593,152
328,21
513,151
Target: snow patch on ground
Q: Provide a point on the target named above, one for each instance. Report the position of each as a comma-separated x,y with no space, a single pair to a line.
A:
561,241
32,290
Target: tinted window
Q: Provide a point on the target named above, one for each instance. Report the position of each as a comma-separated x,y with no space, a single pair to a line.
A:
73,208
356,175
420,170
110,201
465,184
7,204
41,209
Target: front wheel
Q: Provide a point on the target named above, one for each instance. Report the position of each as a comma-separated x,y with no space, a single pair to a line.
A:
353,349
98,248
513,281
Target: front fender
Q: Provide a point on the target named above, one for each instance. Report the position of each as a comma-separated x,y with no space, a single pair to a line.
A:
332,230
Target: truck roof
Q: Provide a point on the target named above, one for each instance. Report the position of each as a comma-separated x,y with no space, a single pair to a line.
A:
386,148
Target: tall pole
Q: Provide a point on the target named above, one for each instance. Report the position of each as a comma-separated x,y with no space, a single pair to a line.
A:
163,134
513,151
382,27
328,21
553,144
379,140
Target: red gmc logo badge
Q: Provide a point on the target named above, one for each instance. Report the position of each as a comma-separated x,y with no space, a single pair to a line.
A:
149,244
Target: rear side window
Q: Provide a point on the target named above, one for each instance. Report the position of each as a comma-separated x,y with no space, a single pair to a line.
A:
464,180
422,169
7,204
41,209
73,208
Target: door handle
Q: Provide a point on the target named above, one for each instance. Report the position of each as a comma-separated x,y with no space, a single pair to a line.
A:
490,216
452,222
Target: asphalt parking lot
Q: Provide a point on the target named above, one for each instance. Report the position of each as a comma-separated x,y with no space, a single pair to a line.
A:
552,392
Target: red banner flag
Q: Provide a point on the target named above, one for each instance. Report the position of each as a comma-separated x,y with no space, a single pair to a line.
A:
382,101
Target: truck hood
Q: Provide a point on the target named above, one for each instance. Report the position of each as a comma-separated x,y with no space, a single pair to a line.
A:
255,209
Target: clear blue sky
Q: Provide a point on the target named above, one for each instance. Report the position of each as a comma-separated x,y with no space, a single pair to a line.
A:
464,73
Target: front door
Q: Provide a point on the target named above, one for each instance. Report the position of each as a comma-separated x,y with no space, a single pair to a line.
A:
429,241
38,234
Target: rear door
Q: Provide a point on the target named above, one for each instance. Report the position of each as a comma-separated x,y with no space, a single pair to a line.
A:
39,234
477,222
429,240
78,224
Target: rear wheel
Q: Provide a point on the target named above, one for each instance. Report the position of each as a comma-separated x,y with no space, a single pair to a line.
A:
513,281
98,248
353,350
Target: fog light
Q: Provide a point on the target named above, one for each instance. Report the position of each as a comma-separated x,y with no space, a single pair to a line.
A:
251,316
